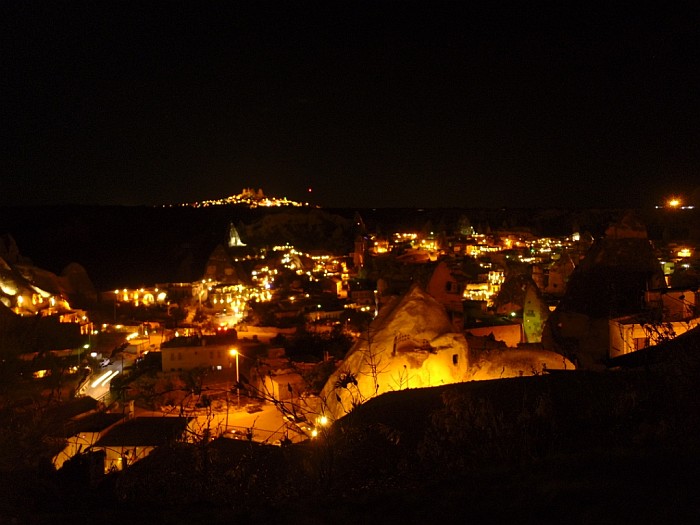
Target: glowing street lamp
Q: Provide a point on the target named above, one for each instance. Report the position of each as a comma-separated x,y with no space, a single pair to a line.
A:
674,202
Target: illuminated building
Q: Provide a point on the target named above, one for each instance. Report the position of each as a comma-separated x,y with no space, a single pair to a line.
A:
141,296
187,353
248,197
673,312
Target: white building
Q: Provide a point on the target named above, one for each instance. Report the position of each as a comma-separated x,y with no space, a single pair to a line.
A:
670,313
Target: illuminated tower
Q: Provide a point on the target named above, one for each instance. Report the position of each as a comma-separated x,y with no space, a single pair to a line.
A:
234,239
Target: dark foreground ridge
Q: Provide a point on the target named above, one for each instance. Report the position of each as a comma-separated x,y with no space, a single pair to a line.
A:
570,447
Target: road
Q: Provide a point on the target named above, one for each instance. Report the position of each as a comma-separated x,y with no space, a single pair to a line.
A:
98,384
267,423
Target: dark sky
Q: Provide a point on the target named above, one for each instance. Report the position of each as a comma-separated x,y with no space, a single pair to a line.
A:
369,103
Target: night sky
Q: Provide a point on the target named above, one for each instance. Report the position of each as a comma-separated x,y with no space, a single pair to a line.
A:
370,104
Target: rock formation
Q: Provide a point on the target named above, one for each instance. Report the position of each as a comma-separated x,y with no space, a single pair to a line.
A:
411,344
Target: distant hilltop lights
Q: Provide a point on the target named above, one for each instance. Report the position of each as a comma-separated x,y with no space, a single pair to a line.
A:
248,197
675,203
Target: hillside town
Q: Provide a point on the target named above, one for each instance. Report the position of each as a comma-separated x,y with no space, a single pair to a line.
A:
274,343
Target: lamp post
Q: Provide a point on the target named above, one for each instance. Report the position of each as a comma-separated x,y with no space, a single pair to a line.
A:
227,392
234,353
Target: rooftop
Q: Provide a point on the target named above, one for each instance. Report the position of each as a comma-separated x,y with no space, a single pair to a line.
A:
145,431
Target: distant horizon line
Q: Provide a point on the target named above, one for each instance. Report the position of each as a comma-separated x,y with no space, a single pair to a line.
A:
347,207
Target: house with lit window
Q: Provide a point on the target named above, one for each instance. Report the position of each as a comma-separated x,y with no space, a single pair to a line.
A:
668,314
446,285
187,353
133,440
82,432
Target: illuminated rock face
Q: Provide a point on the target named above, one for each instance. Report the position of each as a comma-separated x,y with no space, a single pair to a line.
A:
411,344
502,363
234,240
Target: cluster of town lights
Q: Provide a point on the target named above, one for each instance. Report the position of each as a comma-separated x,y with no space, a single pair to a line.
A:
139,296
248,197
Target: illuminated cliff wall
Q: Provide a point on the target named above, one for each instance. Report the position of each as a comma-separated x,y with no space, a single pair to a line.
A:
411,344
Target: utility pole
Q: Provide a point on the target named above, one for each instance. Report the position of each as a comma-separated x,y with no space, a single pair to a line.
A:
234,352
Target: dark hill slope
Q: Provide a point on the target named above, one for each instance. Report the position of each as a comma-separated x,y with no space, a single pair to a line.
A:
131,246
654,398
135,246
565,447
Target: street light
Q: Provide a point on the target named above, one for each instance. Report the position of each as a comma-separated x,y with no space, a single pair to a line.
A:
234,352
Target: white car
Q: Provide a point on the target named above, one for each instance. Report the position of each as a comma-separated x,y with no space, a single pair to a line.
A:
235,434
